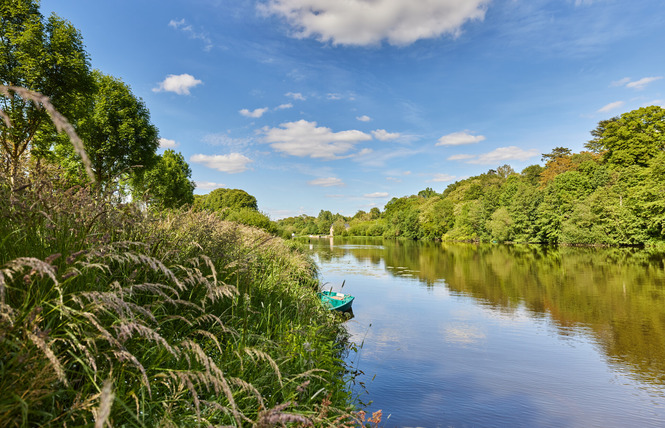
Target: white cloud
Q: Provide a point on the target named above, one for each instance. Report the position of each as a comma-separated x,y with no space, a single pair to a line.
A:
209,185
326,182
284,106
225,140
497,156
376,195
303,138
256,113
642,83
362,22
363,118
637,84
442,178
332,96
167,144
296,96
459,138
611,106
189,30
460,157
180,84
176,24
383,135
232,163
621,82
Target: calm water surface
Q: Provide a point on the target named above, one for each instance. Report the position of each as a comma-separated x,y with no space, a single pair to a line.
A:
487,335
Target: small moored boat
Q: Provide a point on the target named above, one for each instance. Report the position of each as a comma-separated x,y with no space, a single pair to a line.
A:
336,301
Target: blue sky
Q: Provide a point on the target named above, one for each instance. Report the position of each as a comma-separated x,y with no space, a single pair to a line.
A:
343,104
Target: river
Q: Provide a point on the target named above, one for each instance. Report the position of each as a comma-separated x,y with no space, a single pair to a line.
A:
464,335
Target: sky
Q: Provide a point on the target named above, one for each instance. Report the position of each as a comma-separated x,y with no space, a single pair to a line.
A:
341,105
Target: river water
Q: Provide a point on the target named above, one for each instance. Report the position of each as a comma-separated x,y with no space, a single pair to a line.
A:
463,335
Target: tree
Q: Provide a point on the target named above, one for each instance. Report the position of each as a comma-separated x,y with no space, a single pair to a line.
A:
504,171
556,153
45,56
427,193
632,138
500,225
119,137
219,199
168,184
532,174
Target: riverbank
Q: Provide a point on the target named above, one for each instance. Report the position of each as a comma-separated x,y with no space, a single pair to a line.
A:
110,314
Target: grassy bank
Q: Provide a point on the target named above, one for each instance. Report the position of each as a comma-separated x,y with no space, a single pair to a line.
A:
113,316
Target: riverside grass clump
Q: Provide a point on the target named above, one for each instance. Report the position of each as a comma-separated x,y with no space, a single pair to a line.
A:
113,316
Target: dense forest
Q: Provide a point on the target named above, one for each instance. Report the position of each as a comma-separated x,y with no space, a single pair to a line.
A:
610,194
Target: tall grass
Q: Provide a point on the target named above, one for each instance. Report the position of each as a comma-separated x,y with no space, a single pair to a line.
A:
113,316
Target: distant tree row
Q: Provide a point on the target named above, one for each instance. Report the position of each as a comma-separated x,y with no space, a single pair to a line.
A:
613,193
47,56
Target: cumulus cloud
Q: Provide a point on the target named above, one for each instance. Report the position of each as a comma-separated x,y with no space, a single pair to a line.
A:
303,138
296,96
376,195
232,163
209,185
362,22
497,156
284,106
459,138
383,135
326,182
167,144
180,84
611,106
363,118
256,113
439,178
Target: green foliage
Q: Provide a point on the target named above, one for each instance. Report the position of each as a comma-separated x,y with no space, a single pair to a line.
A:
251,217
556,153
219,199
118,135
42,55
427,193
168,183
500,225
632,138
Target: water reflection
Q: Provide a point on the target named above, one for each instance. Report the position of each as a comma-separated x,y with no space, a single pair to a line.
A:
616,295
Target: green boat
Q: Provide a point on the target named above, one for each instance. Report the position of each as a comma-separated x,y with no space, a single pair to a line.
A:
336,301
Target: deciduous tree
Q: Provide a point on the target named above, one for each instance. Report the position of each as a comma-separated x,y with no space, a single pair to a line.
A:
168,184
632,138
45,56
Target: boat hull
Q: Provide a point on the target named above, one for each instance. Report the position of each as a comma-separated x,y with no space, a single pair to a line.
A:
336,301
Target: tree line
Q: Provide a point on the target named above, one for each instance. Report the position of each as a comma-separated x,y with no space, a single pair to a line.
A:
611,193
